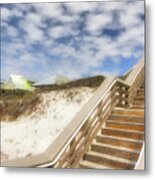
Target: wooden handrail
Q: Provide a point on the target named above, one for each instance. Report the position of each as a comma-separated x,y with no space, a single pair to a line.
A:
136,70
112,92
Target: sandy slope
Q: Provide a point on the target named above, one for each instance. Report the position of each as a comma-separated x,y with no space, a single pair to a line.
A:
34,133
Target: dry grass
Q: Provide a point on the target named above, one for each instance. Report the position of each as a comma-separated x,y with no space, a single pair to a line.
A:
92,82
14,103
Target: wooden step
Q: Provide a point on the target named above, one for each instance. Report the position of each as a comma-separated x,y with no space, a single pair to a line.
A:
108,160
126,118
92,165
119,141
125,125
123,133
115,151
140,95
129,112
142,86
141,89
138,102
139,98
134,106
125,122
141,92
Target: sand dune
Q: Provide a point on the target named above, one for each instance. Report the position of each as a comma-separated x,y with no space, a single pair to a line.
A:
32,134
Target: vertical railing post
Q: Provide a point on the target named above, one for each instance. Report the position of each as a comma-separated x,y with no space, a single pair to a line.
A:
122,94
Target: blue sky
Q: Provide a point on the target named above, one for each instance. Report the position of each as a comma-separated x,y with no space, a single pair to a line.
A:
73,39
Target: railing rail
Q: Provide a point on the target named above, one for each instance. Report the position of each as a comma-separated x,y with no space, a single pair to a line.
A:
71,143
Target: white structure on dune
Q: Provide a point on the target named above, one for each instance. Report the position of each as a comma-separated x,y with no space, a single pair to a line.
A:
17,82
59,79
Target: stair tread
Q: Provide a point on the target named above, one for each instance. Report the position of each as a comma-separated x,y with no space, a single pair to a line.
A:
126,123
121,138
138,103
139,99
123,130
116,147
93,165
126,109
140,96
126,116
137,106
107,156
128,112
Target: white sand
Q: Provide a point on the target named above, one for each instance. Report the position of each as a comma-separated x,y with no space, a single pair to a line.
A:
32,134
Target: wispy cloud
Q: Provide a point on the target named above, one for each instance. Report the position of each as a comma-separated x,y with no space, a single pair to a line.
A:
74,39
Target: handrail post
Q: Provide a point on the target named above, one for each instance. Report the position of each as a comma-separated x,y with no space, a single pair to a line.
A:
122,94
128,91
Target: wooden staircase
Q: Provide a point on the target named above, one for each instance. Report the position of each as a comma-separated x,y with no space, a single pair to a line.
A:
118,143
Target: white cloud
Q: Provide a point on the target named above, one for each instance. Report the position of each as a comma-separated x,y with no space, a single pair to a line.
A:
8,13
34,19
63,50
5,14
12,31
129,17
112,6
79,7
23,7
95,23
61,31
16,12
56,32
34,33
54,11
49,10
68,19
92,49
